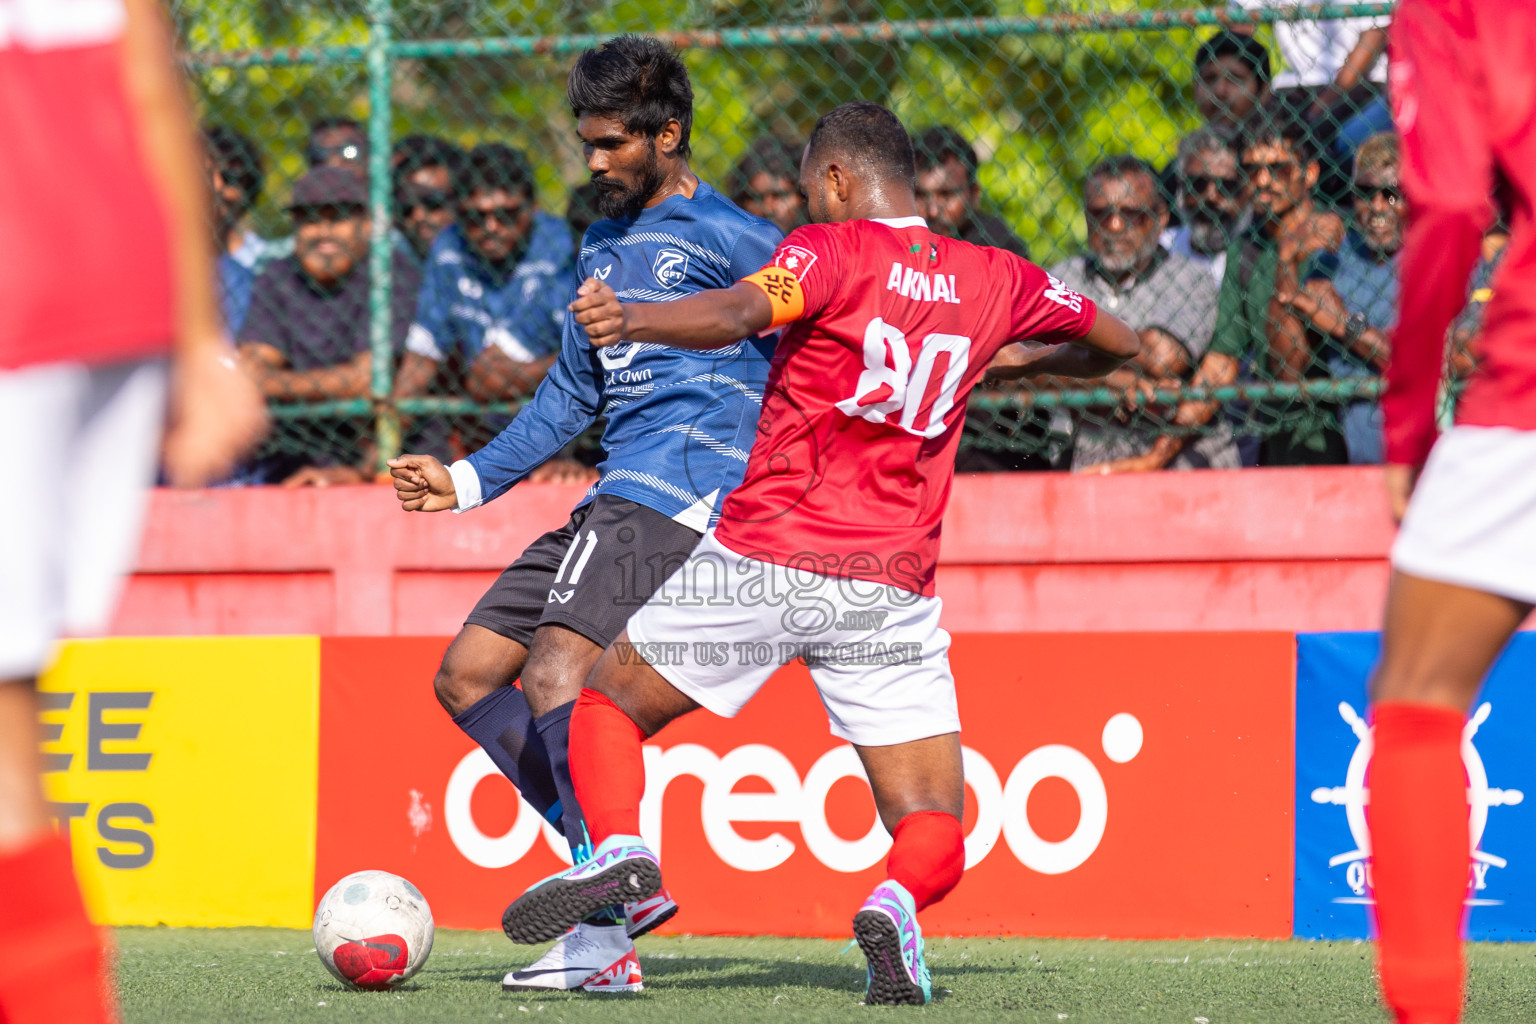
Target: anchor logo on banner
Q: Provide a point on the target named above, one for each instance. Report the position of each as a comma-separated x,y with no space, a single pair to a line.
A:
1353,797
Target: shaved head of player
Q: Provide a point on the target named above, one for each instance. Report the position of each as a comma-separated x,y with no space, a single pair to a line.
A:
859,164
887,328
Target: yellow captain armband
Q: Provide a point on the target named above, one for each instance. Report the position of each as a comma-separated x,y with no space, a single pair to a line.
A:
784,293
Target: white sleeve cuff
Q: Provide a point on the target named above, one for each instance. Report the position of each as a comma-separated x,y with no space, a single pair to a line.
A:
509,343
466,484
420,341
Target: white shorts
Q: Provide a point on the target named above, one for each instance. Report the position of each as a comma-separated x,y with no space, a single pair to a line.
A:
723,623
83,446
1472,520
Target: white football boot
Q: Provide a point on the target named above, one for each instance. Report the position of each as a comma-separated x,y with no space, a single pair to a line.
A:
642,916
597,958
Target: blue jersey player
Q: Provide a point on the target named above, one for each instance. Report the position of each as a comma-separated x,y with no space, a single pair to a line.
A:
679,426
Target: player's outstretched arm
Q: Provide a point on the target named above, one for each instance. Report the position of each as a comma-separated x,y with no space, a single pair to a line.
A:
1108,344
709,319
423,484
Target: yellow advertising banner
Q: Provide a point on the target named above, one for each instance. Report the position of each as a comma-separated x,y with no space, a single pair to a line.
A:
184,771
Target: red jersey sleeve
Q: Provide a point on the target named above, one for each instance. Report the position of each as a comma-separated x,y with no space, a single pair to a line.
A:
1043,307
804,275
1447,172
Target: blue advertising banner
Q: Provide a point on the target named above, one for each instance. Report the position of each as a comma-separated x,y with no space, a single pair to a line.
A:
1333,749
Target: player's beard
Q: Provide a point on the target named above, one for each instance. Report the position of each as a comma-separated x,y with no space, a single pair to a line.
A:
617,202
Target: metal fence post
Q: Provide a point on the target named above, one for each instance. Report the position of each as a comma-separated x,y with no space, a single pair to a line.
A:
380,263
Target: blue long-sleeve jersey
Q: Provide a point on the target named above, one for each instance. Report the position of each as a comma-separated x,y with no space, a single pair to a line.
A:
679,423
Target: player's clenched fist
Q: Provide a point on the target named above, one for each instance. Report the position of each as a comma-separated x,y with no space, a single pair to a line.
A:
423,484
599,310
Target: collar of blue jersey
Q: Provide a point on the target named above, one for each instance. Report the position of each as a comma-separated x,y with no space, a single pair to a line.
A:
668,206
901,222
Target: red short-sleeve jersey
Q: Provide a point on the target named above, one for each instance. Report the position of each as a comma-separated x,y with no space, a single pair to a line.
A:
84,244
855,449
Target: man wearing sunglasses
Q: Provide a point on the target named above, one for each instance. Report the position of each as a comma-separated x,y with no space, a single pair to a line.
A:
1256,334
306,336
1209,196
1167,299
424,168
235,176
495,287
338,142
1351,297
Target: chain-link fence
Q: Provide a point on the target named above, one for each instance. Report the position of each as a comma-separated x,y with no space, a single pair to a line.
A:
1223,178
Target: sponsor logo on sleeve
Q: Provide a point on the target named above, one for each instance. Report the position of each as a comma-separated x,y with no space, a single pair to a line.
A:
796,259
1058,292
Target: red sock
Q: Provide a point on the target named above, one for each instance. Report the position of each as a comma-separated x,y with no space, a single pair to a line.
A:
52,965
607,767
1420,857
927,855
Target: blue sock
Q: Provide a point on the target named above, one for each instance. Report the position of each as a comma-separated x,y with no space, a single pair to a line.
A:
503,725
555,729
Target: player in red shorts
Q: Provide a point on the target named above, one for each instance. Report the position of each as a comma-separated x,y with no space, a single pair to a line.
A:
1464,564
827,550
106,304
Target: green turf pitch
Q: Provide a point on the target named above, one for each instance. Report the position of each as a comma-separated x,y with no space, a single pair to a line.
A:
257,975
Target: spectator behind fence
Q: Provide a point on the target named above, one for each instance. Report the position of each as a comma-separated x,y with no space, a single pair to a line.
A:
338,142
581,212
306,338
1350,298
425,169
495,288
1208,194
1468,325
766,183
948,194
1325,58
1168,299
236,176
1286,237
1333,76
1232,76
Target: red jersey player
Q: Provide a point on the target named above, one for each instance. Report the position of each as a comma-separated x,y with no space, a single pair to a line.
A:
826,551
1464,565
105,272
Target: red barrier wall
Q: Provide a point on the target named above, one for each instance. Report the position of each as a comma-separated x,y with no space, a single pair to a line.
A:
1180,827
1279,549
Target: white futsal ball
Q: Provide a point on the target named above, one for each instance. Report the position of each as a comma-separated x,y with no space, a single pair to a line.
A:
373,930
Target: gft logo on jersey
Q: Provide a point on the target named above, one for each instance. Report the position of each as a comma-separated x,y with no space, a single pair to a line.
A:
1354,797
670,267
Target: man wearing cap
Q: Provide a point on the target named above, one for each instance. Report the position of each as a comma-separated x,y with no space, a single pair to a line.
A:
306,335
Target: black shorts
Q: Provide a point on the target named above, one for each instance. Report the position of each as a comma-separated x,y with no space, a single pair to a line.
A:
588,576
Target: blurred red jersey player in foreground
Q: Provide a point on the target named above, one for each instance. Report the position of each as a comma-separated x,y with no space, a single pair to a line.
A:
1464,565
107,310
827,549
